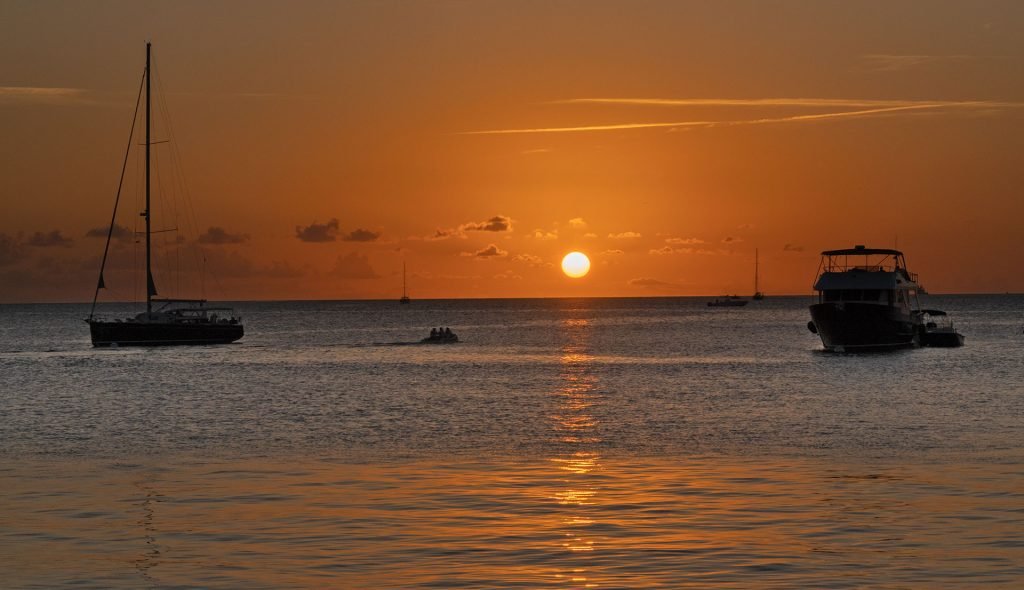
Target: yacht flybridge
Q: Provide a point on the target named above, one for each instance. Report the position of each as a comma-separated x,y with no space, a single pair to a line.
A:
165,321
868,300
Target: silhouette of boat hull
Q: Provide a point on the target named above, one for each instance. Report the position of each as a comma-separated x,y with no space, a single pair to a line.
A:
942,338
727,302
133,333
852,326
452,339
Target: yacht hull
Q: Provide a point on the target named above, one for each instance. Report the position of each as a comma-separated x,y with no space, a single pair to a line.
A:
162,334
851,326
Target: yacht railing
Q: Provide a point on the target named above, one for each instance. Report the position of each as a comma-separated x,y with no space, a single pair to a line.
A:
887,264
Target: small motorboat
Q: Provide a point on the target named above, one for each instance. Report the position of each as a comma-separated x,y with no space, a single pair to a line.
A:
938,330
728,301
441,337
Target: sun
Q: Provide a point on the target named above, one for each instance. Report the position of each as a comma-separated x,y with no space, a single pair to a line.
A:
575,264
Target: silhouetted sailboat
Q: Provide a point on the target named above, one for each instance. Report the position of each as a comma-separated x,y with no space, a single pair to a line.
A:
758,295
174,321
405,296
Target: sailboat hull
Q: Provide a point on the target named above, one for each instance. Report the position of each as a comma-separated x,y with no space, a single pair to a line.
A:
162,334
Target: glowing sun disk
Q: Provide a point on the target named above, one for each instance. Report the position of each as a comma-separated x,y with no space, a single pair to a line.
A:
575,264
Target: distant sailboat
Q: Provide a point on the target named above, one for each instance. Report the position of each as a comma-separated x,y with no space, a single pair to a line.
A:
405,296
174,321
758,295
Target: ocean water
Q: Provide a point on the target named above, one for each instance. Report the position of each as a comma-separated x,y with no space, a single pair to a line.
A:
577,443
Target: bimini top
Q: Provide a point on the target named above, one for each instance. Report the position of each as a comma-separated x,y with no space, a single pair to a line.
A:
862,251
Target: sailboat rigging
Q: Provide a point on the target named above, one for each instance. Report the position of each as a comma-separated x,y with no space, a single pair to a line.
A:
175,321
758,295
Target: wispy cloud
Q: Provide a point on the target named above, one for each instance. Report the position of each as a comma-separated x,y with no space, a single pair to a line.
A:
10,250
861,108
882,62
318,232
219,236
353,266
119,233
540,234
665,250
361,235
626,235
49,240
649,283
498,223
530,259
852,103
491,251
620,126
40,95
684,241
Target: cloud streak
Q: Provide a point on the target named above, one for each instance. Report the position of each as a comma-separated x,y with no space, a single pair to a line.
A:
361,235
862,109
40,95
854,103
219,236
649,283
881,62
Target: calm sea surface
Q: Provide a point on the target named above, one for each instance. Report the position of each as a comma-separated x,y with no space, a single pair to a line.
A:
623,443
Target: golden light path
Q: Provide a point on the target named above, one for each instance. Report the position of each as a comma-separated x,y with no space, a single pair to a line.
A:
575,264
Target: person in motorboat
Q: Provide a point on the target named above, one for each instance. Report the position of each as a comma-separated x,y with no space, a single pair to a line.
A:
441,336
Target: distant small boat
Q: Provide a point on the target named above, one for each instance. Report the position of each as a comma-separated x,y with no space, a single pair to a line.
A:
440,337
404,300
758,295
728,301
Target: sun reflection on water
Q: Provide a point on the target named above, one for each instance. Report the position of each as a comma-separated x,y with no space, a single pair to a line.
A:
574,425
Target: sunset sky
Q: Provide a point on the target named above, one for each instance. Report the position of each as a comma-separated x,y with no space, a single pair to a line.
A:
324,143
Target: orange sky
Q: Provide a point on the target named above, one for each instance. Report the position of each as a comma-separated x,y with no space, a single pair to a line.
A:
667,140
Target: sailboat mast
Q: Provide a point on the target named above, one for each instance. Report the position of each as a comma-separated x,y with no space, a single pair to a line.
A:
149,269
756,261
403,279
